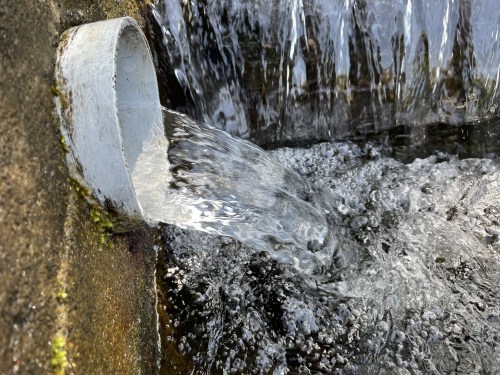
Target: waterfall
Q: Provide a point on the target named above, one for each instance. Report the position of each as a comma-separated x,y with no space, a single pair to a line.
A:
281,70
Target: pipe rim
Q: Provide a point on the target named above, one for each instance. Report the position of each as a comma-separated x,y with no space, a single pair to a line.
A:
109,108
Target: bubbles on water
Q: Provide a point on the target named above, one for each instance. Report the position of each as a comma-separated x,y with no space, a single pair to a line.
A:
411,285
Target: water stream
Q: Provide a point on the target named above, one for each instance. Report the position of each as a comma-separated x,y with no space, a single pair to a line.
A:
375,254
336,258
222,185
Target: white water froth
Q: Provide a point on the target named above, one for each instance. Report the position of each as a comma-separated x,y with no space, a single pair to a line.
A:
412,288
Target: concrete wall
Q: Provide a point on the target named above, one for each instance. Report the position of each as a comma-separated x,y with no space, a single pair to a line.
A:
74,297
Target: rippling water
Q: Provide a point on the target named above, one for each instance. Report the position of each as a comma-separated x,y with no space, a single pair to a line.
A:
409,284
338,258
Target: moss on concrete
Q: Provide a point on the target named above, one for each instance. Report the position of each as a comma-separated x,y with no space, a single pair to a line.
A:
60,282
59,360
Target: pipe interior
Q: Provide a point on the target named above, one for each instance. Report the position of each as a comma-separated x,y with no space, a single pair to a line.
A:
138,106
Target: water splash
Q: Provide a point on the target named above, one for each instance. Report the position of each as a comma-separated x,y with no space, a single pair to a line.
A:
418,294
204,179
396,266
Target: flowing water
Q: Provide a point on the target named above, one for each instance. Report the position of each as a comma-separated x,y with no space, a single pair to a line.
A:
378,255
222,185
289,70
336,258
411,288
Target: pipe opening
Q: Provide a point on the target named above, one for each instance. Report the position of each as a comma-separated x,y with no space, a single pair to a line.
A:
114,110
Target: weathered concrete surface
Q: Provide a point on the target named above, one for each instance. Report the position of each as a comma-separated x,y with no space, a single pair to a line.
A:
64,298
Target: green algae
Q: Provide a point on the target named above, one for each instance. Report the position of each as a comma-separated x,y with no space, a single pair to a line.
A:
59,361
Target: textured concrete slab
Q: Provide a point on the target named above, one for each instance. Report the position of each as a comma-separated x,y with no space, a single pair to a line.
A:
74,296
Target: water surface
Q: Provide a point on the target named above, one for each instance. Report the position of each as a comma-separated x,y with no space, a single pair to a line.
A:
409,286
